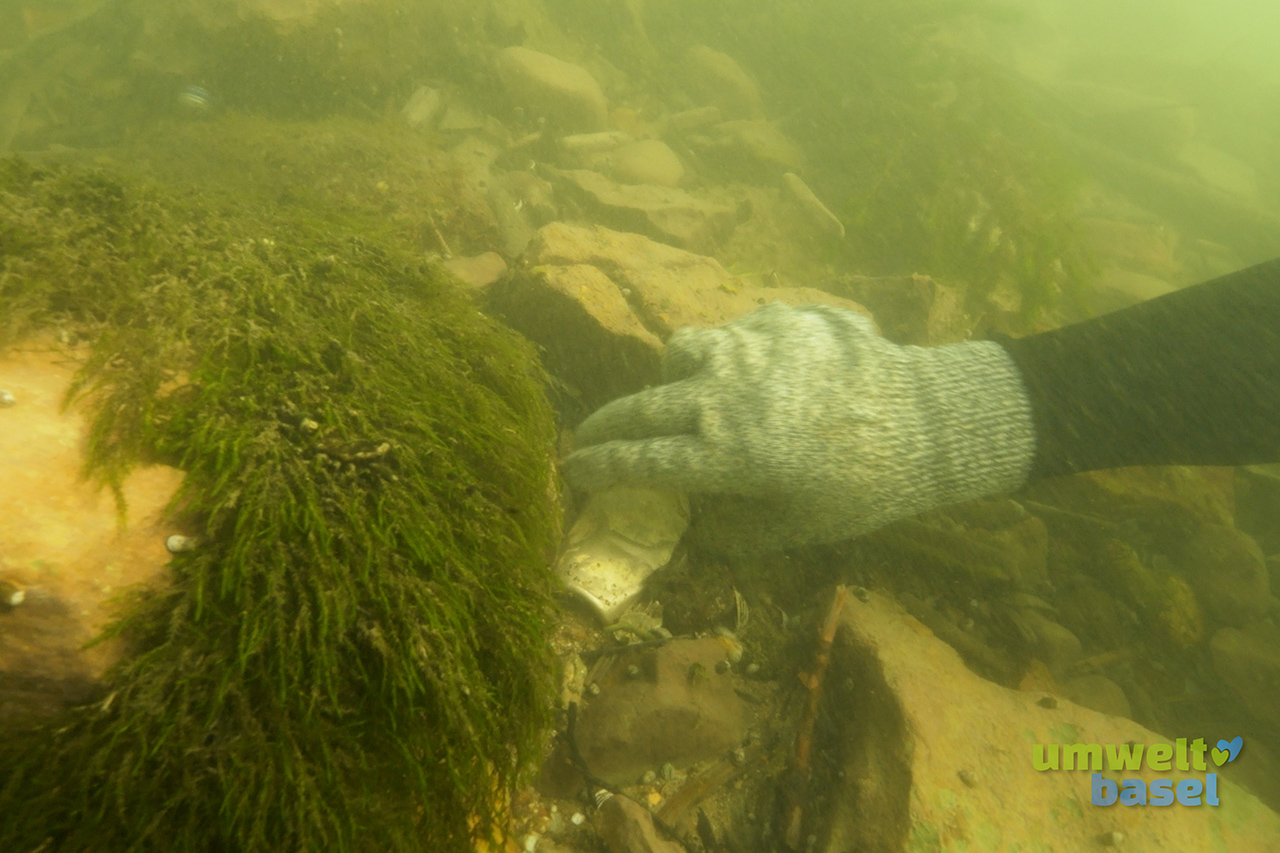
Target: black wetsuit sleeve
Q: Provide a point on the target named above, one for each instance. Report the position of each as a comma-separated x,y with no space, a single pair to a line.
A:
1190,378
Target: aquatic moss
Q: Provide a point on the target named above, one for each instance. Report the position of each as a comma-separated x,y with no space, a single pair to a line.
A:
354,658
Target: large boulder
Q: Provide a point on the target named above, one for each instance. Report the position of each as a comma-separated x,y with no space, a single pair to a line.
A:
601,303
932,757
664,213
646,161
565,94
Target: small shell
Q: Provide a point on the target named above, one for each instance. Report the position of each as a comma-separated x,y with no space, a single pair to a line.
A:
742,612
648,778
11,594
194,98
177,544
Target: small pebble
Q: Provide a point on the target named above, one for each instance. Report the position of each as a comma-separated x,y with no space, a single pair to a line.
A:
633,671
654,799
1047,702
722,666
739,756
967,777
531,842
860,593
648,778
177,544
753,668
309,425
1111,839
593,689
6,399
578,819
668,771
11,594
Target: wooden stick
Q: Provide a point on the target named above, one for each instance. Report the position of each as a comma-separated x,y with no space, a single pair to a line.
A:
804,737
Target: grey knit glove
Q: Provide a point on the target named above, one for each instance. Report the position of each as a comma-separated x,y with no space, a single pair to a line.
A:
794,425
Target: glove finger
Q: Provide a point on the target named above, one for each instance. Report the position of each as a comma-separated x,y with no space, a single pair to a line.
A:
687,352
665,410
676,462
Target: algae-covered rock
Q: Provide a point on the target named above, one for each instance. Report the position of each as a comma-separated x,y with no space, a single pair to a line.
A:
1165,601
353,659
1229,574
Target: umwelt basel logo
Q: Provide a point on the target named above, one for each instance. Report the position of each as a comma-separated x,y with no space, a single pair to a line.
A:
1108,765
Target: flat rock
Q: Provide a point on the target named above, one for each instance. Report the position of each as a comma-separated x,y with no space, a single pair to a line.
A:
666,214
911,309
478,271
565,94
61,543
424,108
601,303
646,161
936,758
676,709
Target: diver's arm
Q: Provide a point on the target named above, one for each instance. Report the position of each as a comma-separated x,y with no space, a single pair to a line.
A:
1190,378
799,425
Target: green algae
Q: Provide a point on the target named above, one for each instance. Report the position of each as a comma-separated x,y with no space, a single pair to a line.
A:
354,659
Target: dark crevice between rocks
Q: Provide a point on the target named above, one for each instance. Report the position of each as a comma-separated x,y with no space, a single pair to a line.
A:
564,332
861,784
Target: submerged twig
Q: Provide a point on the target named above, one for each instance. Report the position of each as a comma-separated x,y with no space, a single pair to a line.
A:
804,737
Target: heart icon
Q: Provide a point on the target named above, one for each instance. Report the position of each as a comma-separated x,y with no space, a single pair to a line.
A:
1227,750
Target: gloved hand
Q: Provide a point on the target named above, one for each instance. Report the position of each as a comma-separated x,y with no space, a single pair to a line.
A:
793,425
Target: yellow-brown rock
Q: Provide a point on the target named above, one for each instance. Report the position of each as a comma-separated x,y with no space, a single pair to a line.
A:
60,540
934,758
602,302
